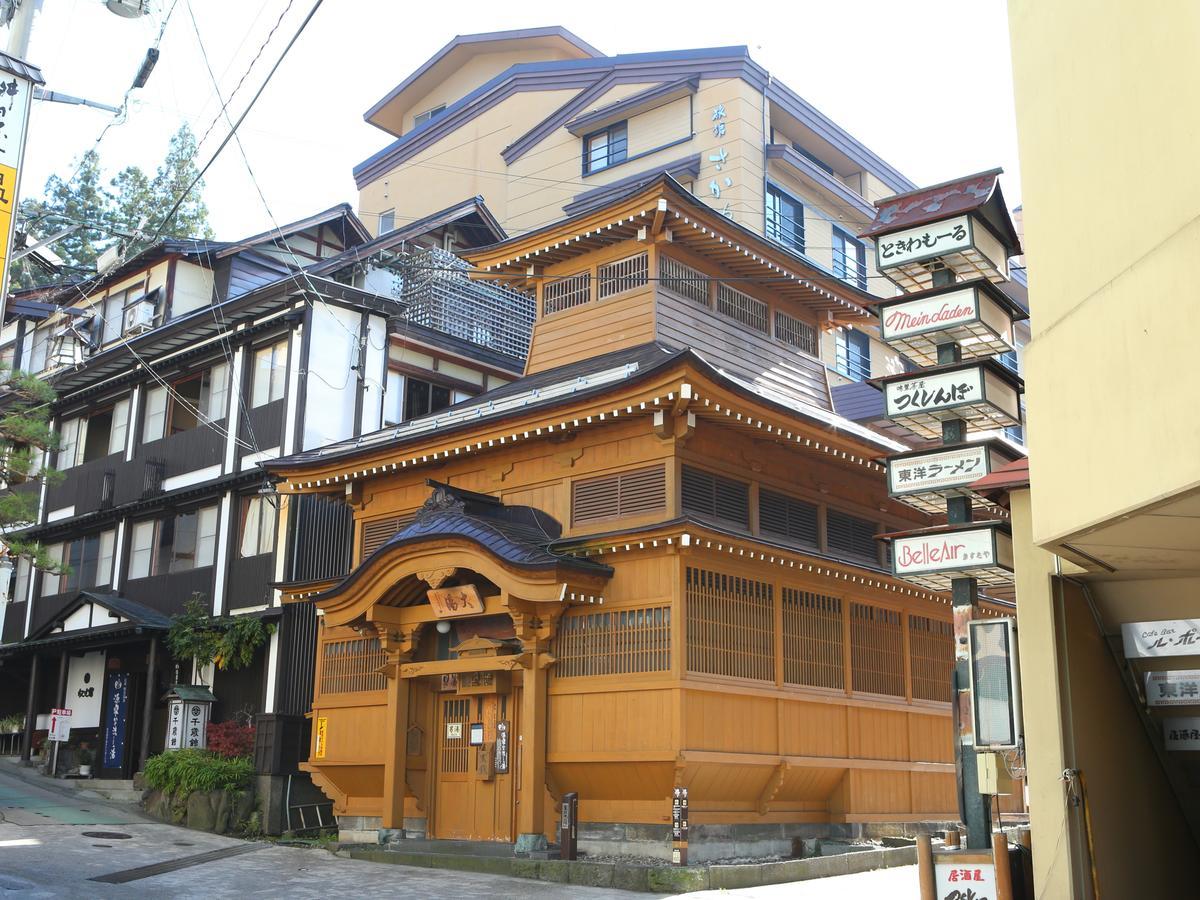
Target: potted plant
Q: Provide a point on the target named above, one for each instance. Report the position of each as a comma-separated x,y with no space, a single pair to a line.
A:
84,756
12,724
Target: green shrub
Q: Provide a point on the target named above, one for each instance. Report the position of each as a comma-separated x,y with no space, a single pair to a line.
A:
197,770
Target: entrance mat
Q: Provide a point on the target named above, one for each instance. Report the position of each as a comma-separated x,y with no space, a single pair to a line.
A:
673,879
172,865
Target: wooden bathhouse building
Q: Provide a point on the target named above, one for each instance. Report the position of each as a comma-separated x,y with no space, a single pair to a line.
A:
650,562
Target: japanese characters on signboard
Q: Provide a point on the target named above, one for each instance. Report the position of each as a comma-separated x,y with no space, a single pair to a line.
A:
322,736
114,726
931,471
954,551
449,602
196,726
900,320
175,725
501,751
15,96
1182,733
1172,637
964,880
60,725
944,390
1176,688
923,242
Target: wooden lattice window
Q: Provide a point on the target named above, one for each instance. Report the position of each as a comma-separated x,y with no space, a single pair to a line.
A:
812,640
376,532
618,495
851,536
711,495
746,309
788,517
876,650
683,280
931,655
730,625
456,751
352,665
622,275
796,332
616,642
564,293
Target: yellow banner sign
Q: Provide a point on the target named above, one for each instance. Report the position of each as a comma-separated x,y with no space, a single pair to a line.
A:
322,733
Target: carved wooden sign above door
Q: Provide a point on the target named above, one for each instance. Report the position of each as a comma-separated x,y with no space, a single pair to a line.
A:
450,602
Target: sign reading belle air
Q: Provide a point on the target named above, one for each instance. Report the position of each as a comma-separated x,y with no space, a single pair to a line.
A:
449,602
944,551
923,242
1180,687
1173,637
940,470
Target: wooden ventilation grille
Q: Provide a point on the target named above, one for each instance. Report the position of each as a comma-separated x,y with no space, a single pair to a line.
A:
796,332
711,495
931,651
353,665
376,532
456,751
573,290
788,517
683,280
743,307
851,536
622,275
729,626
876,650
619,495
812,640
617,642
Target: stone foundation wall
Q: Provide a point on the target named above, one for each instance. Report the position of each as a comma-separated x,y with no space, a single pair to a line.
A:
219,812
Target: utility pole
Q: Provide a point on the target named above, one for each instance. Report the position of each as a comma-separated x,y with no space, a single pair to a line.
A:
21,27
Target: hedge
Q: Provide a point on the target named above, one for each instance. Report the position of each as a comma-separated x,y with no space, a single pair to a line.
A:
197,770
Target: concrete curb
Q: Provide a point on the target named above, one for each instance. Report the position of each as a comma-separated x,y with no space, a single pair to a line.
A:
675,879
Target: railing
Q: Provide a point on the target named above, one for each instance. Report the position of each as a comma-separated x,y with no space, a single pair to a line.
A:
848,266
812,640
442,296
798,333
83,486
618,642
685,281
574,290
876,650
729,625
622,275
931,649
322,534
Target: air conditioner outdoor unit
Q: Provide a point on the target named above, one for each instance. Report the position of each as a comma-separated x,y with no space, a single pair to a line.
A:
138,318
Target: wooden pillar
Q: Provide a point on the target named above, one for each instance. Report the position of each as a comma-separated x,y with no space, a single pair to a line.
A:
925,873
531,818
395,766
30,710
399,645
60,692
148,702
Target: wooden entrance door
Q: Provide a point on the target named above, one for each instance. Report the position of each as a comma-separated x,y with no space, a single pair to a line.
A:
472,802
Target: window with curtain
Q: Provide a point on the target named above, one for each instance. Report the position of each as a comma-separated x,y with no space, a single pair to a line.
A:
785,219
849,259
270,374
174,544
256,527
853,357
190,402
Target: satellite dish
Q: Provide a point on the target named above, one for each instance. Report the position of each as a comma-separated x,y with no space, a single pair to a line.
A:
128,9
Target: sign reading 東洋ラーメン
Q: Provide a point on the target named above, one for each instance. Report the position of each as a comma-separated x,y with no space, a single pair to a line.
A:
941,469
951,551
923,242
1176,688
1173,637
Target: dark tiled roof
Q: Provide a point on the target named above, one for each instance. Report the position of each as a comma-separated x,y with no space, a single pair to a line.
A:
858,401
136,616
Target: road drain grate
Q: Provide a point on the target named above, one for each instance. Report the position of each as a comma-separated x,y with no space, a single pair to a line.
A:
107,835
173,864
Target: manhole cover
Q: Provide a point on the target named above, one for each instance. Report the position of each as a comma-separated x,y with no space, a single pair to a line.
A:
107,835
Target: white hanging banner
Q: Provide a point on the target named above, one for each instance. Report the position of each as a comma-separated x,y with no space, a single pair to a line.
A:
1176,688
1182,733
1170,637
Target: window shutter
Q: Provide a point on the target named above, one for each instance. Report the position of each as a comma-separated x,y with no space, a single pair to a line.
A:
787,517
851,536
621,494
376,532
712,495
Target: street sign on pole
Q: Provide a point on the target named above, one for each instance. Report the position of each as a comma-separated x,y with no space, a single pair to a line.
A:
60,725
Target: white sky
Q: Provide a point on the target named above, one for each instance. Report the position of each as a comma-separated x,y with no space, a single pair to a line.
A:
926,84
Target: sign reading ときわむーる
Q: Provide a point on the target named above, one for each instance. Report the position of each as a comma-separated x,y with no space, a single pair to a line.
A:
923,242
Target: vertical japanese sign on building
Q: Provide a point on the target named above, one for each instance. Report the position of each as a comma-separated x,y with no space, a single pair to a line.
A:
16,96
114,725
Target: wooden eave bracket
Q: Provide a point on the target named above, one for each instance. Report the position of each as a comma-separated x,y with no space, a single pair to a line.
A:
774,783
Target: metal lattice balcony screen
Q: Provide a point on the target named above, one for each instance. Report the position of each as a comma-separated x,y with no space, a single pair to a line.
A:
444,298
566,292
622,275
797,333
683,280
746,309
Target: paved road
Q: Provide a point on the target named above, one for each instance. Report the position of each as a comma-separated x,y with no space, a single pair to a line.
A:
54,842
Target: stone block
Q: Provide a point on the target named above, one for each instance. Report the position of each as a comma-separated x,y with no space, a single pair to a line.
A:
631,878
556,870
391,835
730,877
201,815
677,879
647,832
524,868
590,873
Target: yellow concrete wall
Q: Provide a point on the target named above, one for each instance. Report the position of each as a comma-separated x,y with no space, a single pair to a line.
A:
1112,250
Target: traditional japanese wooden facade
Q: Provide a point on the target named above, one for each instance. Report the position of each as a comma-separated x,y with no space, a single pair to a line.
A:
651,562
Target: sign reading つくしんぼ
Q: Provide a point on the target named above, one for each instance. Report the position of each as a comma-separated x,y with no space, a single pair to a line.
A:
448,602
939,391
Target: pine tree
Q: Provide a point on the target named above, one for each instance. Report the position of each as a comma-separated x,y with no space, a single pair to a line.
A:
173,177
131,201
